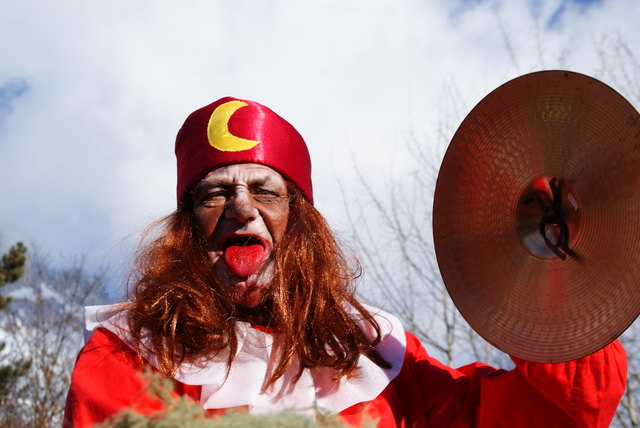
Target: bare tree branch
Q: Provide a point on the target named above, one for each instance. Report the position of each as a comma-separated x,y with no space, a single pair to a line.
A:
45,325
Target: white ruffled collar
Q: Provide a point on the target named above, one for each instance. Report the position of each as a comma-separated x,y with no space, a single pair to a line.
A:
255,360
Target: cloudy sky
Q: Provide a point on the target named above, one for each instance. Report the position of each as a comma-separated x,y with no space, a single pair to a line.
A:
92,93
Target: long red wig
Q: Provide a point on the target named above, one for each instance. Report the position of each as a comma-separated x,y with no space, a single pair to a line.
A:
185,310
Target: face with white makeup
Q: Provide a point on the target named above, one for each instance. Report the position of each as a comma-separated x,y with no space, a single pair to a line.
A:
243,210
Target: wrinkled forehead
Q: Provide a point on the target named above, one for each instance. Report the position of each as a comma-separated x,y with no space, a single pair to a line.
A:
253,173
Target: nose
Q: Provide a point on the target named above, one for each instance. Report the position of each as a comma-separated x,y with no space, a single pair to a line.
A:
241,208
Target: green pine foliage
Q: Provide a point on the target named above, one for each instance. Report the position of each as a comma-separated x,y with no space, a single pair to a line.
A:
13,262
11,270
184,412
10,373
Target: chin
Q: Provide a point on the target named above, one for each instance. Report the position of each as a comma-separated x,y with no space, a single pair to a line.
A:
248,292
248,302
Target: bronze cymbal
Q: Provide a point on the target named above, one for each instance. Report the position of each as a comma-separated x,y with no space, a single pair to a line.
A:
536,216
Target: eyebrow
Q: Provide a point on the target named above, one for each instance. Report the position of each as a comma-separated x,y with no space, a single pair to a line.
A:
222,181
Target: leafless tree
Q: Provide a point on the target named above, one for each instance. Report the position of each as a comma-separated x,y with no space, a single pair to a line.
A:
396,247
620,66
392,233
45,326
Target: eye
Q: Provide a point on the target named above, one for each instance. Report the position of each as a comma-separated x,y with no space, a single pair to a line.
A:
264,191
265,194
221,193
214,196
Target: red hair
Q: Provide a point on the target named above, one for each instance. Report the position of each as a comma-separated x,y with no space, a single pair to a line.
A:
189,317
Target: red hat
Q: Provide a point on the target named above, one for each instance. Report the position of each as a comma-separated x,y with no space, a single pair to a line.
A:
230,131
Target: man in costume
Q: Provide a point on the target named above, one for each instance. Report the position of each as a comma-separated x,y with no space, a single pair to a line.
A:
246,300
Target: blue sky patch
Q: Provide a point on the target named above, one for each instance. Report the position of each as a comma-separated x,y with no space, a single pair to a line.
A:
459,7
556,19
9,92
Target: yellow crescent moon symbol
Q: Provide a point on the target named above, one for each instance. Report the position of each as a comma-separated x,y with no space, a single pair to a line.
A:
218,129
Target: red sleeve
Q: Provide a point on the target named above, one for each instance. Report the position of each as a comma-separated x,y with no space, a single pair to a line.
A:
107,379
580,393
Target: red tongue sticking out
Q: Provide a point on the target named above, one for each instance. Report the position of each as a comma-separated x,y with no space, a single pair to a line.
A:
244,260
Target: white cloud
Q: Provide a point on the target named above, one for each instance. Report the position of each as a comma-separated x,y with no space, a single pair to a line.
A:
87,151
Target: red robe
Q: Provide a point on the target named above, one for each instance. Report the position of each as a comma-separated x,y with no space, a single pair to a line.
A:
581,393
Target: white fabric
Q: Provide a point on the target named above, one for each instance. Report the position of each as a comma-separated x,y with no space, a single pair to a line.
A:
257,357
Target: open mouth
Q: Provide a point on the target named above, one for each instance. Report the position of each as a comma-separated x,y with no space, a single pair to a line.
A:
242,241
244,254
